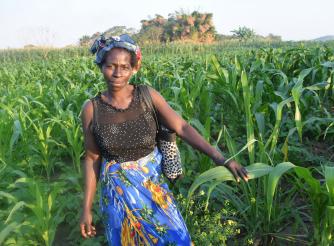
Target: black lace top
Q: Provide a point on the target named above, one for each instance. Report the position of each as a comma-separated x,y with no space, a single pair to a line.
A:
124,134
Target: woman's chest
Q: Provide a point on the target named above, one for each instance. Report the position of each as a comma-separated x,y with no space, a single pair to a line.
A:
135,133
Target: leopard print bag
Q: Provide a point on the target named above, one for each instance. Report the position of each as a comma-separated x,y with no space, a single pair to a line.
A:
166,140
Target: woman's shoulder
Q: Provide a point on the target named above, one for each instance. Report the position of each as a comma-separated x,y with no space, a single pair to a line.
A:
87,107
89,103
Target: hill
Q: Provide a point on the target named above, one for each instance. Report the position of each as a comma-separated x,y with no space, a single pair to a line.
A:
325,38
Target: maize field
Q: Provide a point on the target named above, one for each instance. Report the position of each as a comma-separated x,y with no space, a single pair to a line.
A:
270,107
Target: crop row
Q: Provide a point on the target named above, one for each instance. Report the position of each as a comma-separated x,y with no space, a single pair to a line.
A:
269,108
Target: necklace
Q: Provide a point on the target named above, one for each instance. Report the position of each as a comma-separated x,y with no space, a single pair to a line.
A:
116,107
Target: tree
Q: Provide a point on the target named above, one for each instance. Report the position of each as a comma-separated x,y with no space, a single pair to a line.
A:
84,40
87,40
118,30
150,35
180,26
244,33
152,30
196,27
272,37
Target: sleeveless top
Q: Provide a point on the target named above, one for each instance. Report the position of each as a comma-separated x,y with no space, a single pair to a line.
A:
124,134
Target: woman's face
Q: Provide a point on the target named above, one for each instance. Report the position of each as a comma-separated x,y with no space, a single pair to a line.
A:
117,68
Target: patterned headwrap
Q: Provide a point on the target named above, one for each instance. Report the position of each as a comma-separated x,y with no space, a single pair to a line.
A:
102,45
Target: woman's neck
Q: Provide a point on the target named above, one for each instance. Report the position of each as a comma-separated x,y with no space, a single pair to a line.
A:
120,95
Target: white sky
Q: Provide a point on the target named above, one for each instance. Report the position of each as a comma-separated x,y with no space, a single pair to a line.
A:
63,22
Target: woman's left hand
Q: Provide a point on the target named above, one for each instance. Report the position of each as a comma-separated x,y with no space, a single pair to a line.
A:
236,169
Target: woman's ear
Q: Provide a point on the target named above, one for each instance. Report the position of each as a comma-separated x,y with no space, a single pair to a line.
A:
135,69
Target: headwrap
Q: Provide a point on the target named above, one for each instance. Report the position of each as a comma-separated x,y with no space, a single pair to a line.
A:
102,45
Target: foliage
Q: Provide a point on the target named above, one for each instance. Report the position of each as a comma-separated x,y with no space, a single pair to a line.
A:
275,99
244,33
113,31
321,202
179,26
208,226
85,40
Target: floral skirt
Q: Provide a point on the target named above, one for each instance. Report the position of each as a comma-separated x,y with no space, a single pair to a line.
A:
137,206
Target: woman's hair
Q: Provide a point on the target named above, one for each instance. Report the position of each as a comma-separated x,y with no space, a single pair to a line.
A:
133,60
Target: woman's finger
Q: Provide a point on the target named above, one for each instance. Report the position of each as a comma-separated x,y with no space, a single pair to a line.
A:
235,174
83,232
92,231
89,231
243,174
239,172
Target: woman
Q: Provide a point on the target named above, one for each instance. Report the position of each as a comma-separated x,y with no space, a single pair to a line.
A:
119,135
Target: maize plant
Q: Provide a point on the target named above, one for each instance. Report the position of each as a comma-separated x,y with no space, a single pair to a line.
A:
268,106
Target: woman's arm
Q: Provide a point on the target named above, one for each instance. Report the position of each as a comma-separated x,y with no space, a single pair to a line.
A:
185,131
91,171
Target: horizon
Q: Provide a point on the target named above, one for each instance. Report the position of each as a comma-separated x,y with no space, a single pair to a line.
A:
48,23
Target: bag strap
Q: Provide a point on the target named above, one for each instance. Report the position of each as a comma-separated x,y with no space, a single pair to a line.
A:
163,132
143,89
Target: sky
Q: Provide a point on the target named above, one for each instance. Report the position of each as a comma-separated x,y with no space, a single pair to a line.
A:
62,22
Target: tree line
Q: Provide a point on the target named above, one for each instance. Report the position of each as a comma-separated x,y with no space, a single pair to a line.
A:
179,26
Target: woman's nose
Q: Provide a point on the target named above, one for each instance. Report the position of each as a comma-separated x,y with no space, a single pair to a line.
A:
117,72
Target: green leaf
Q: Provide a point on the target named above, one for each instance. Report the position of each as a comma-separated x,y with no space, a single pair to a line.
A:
222,174
16,207
329,178
17,132
251,142
7,230
249,121
260,123
274,176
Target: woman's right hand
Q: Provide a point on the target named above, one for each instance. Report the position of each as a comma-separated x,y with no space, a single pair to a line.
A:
86,227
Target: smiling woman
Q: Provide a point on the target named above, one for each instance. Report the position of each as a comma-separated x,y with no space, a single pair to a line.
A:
120,141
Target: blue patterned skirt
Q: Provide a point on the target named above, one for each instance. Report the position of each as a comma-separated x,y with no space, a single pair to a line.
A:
137,206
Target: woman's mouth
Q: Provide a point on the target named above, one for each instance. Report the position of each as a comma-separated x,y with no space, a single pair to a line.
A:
115,82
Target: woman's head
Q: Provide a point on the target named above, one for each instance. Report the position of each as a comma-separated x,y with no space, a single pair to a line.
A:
103,46
133,60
